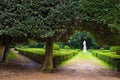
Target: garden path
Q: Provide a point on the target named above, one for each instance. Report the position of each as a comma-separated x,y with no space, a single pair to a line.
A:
79,67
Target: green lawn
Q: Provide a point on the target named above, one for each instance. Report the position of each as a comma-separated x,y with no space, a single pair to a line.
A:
10,56
89,58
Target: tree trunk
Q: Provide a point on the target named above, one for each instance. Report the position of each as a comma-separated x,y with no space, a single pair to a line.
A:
6,43
5,54
48,63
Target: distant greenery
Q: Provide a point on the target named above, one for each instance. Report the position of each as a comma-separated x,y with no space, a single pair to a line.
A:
76,41
35,44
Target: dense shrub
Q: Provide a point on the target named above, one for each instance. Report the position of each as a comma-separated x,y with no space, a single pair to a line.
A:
66,47
115,48
102,48
34,44
55,47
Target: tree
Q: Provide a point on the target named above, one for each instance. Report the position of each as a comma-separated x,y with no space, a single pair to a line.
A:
101,18
48,21
56,20
11,32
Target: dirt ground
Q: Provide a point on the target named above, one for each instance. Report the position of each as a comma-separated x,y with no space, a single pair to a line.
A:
26,69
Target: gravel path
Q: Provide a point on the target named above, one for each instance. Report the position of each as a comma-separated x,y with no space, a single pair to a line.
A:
73,69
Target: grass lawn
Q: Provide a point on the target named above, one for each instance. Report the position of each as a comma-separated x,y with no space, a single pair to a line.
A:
89,58
10,56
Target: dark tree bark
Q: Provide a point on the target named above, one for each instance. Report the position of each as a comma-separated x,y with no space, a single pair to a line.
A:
6,43
5,54
48,63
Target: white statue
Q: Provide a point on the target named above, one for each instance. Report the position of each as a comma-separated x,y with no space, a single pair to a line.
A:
84,47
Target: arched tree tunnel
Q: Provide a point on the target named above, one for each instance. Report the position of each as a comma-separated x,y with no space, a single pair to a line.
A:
50,21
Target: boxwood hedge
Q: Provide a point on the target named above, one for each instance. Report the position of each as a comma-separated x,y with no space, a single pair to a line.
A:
109,57
38,54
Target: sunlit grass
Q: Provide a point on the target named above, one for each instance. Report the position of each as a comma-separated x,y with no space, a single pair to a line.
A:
11,56
89,58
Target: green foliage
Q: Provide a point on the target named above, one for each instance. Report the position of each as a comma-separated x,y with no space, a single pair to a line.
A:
108,56
76,41
12,14
38,54
115,48
100,16
66,47
101,48
107,53
49,17
11,56
105,11
34,44
56,47
23,19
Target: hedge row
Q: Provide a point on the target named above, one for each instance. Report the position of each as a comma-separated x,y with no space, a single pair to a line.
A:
113,60
57,59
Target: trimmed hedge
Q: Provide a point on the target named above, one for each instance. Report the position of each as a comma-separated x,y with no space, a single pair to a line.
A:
55,47
115,48
66,47
108,57
39,57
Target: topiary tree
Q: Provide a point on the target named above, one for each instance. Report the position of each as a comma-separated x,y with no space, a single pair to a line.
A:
11,32
48,21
